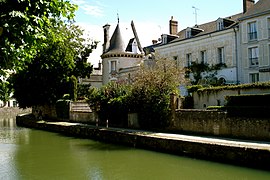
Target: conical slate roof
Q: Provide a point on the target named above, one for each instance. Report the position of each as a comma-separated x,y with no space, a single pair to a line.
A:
116,42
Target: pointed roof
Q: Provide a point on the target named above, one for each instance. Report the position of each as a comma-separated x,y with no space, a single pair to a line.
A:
116,42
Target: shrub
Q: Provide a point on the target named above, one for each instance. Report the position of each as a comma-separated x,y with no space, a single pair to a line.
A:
110,102
62,108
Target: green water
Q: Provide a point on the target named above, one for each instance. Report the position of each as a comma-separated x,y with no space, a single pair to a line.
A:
32,154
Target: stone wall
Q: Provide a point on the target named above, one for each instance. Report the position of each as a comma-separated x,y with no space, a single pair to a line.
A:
219,123
202,101
12,111
81,112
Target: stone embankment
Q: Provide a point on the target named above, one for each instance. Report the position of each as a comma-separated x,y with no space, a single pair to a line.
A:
254,154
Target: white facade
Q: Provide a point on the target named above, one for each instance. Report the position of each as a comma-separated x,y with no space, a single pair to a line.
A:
255,44
212,48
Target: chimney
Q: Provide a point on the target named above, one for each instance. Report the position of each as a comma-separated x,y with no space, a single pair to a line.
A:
173,26
247,4
106,44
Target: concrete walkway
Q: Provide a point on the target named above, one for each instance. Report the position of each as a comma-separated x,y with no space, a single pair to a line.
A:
190,138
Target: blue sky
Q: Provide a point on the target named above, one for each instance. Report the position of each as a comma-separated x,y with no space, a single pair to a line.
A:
151,17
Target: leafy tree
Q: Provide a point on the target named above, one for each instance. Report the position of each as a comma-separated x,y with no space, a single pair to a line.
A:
24,25
111,103
151,92
47,77
5,92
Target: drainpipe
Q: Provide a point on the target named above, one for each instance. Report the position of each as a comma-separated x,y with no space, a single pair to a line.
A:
235,29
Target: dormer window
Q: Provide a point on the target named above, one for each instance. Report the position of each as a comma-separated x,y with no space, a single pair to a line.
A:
188,33
220,25
223,23
191,32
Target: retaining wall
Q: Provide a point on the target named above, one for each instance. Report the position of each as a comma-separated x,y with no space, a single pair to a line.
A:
203,100
218,123
12,111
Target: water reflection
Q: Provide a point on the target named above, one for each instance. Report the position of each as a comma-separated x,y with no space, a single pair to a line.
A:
33,154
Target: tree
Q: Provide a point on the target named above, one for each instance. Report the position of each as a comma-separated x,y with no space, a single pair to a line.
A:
151,92
24,25
47,77
5,92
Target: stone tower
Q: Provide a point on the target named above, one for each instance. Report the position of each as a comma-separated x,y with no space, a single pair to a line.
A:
117,59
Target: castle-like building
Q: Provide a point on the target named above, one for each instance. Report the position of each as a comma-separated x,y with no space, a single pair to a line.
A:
119,60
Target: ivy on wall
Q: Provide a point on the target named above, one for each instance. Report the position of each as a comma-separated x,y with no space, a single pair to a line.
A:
195,71
213,89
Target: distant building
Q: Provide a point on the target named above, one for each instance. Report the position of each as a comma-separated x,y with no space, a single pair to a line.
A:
95,79
255,43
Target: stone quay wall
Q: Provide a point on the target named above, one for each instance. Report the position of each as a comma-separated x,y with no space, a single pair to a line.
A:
12,111
216,151
218,123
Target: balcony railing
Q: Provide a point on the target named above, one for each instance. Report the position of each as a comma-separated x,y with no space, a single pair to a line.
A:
254,61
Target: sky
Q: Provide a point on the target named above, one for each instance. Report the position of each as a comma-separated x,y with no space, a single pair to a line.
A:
151,17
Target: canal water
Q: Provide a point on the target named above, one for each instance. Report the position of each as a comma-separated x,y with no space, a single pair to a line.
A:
32,154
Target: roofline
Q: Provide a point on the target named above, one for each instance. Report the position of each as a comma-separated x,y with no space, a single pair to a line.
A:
231,27
254,15
121,54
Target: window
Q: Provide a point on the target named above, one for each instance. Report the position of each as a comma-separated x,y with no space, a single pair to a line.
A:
188,60
221,58
252,31
253,56
188,33
220,24
203,57
113,66
254,77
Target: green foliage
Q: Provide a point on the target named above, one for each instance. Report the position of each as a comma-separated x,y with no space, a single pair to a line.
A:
46,78
111,103
62,108
148,95
151,91
83,90
24,26
194,88
196,70
5,91
73,87
208,90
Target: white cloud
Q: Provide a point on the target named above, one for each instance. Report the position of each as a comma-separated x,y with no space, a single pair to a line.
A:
95,9
78,2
